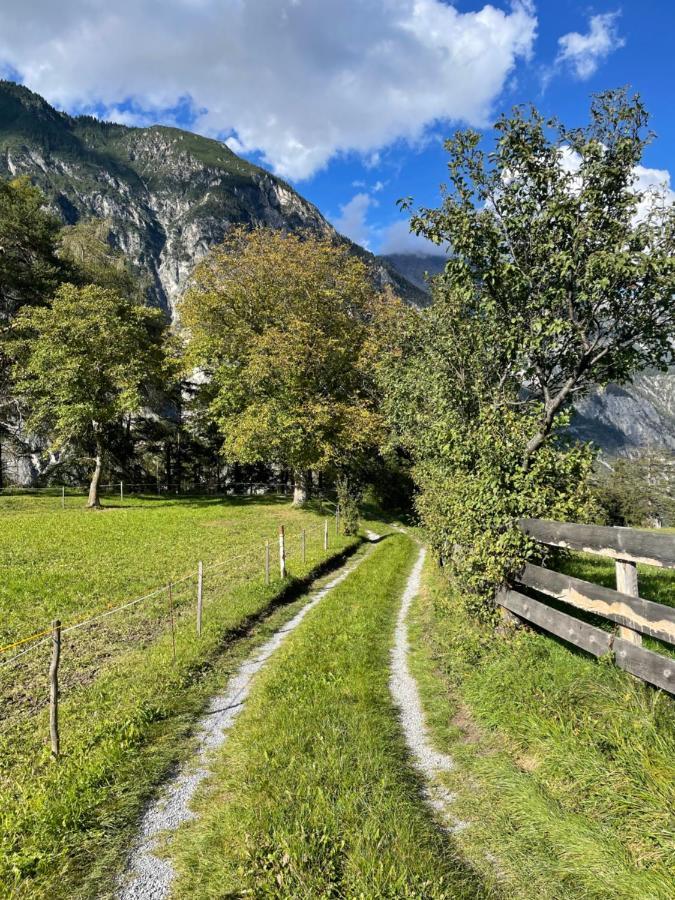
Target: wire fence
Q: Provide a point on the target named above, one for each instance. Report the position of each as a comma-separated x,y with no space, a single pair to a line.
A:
62,659
74,495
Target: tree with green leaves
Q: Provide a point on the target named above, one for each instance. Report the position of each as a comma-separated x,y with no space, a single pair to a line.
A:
84,362
30,271
278,324
560,277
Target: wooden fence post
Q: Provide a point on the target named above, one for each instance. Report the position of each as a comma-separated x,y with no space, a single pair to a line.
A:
282,551
54,688
200,587
173,631
627,583
325,534
121,491
63,496
303,541
267,562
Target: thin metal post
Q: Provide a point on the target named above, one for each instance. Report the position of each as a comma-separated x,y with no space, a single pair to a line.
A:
122,491
200,587
325,534
303,541
63,496
54,688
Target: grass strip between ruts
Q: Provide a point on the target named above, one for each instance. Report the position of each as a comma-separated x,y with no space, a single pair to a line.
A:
313,795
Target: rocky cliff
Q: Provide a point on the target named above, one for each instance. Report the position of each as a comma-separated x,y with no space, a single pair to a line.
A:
169,194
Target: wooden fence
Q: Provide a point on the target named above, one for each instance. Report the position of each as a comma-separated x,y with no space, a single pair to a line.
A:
632,615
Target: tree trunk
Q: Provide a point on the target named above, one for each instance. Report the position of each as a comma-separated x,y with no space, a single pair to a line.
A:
301,485
94,502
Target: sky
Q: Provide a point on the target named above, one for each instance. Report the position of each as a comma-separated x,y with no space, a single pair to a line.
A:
348,100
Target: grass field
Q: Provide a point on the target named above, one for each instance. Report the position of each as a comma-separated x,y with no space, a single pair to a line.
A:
565,766
312,796
126,704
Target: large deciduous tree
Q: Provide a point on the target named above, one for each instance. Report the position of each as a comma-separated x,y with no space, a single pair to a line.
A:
560,277
83,363
279,326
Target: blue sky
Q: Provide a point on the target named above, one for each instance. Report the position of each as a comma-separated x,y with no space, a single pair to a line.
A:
348,99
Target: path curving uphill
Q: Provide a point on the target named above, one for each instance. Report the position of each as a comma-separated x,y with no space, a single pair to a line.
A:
149,876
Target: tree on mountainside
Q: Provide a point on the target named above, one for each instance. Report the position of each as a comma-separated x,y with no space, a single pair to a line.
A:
92,259
561,277
84,362
279,325
30,271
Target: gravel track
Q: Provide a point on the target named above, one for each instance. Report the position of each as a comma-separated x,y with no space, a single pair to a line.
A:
429,762
147,876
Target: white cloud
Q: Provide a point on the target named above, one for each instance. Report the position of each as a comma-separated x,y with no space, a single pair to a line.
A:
652,184
583,53
298,80
352,219
397,238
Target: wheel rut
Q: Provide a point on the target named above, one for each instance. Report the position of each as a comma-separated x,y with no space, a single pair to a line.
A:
148,876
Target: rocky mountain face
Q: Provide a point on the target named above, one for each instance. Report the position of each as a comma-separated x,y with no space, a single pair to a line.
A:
169,194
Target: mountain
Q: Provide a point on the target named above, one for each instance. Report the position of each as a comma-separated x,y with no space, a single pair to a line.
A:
415,267
169,194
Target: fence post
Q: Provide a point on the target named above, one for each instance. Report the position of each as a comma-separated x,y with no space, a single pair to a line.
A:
282,551
122,491
303,541
173,632
325,534
63,496
337,519
54,688
200,586
267,562
627,583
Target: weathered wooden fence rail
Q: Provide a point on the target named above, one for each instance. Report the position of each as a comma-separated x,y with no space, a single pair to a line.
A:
633,615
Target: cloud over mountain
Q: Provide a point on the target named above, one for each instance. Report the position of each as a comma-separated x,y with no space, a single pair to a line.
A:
298,80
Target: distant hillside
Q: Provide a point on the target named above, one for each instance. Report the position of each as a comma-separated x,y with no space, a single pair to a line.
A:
169,194
416,266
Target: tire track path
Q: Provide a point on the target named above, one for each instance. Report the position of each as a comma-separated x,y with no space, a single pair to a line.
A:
149,876
431,763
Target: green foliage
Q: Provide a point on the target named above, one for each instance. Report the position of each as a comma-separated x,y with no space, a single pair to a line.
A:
554,285
553,255
447,409
29,267
93,260
279,324
348,504
85,361
638,490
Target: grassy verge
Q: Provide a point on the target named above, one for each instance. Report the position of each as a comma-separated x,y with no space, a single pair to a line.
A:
565,766
312,795
127,704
